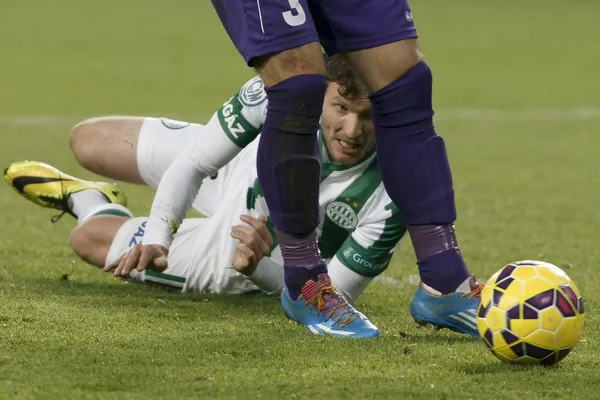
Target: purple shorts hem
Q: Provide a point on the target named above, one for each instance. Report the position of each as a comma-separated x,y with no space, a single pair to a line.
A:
278,47
342,46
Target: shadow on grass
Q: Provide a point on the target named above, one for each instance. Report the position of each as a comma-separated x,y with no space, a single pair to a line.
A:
427,335
121,292
491,366
436,339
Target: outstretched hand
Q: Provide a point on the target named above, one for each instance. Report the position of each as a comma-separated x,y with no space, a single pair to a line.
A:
140,257
254,243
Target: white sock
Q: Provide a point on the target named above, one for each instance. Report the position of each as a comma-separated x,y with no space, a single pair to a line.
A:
347,282
105,209
464,287
82,202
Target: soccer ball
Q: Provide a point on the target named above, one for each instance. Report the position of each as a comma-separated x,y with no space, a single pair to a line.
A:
530,312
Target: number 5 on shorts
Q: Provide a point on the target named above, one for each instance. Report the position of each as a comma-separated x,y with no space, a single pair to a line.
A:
296,16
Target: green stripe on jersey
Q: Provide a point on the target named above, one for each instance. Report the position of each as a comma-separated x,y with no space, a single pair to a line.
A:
236,126
373,260
340,217
363,261
392,232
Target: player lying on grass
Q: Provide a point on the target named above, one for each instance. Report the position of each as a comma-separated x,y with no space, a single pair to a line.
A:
359,231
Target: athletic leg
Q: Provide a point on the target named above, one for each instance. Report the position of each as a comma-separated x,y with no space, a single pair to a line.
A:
106,230
407,141
280,41
99,208
379,40
108,146
288,159
126,148
141,149
382,47
92,240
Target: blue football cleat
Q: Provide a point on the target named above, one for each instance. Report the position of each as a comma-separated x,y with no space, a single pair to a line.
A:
455,311
323,311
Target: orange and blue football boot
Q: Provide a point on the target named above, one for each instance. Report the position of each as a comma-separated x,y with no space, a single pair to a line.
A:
323,311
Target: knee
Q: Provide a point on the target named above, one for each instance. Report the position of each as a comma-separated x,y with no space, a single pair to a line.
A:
80,241
380,66
85,139
403,56
304,60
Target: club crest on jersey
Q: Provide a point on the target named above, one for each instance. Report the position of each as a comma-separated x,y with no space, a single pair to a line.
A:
253,93
173,124
342,215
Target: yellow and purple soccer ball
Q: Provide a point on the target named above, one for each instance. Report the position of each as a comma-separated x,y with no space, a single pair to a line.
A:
530,312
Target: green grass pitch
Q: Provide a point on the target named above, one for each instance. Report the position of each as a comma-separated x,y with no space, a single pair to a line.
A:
516,94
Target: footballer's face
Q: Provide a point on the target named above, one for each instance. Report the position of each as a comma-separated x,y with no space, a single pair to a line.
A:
348,131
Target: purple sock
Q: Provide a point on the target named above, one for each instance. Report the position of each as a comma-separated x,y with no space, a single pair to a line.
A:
441,265
289,170
415,168
288,159
412,158
300,266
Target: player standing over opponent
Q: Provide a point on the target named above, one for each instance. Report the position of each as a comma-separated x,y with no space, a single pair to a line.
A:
180,156
280,39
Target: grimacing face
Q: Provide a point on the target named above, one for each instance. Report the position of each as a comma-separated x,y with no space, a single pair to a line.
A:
347,127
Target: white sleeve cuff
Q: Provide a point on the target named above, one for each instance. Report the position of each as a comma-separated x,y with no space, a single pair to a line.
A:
268,276
158,232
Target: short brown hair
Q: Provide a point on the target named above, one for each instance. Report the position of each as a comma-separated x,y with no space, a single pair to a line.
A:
340,72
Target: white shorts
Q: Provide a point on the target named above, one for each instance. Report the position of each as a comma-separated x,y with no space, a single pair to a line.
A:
200,258
160,141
